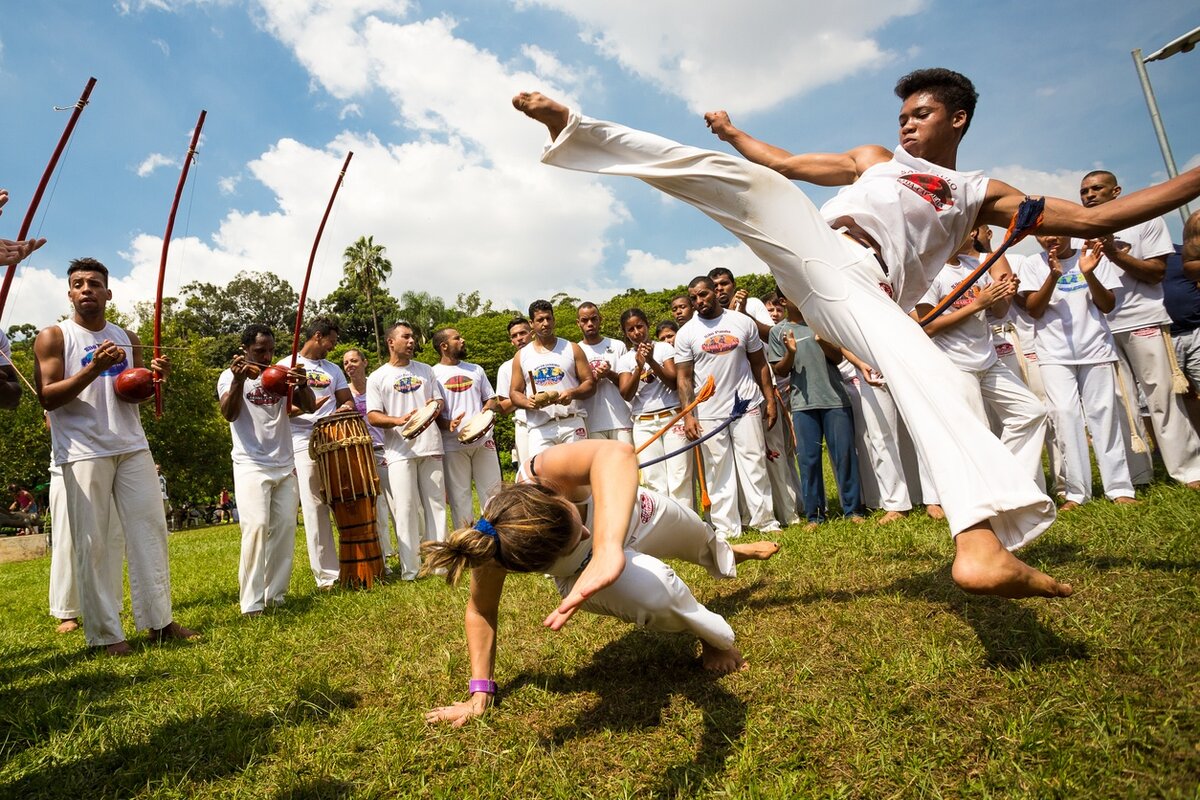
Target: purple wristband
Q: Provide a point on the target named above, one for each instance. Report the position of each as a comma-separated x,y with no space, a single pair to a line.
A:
488,687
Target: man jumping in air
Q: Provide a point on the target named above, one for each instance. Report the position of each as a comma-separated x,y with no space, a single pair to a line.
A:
901,215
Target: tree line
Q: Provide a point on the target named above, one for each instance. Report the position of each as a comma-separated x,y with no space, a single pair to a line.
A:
201,331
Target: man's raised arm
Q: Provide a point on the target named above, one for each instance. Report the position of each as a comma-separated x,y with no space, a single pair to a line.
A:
1071,219
822,169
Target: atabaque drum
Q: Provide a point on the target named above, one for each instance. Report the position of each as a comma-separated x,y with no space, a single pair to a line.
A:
341,447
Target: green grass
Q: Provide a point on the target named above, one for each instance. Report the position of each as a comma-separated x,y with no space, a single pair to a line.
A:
871,676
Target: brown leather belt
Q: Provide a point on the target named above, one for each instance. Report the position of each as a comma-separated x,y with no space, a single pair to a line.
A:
847,226
667,412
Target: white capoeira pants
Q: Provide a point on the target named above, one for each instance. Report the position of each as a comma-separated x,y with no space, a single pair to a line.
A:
1143,361
125,486
318,527
267,502
64,593
671,478
1032,371
880,465
416,491
735,465
383,512
477,465
613,435
1022,416
650,594
781,470
557,431
521,441
1094,386
1187,352
835,283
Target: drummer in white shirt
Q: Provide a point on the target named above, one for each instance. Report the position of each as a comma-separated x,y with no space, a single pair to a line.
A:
416,486
1068,292
468,392
647,379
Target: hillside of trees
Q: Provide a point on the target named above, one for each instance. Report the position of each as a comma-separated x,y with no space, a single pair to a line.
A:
201,333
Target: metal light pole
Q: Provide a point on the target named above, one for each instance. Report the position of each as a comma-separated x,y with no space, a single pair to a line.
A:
1183,44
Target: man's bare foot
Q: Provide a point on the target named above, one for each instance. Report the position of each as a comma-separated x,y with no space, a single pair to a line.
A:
811,526
1070,505
537,106
890,517
983,566
722,662
173,630
753,551
257,613
857,519
118,649
67,625
935,511
1126,501
1193,484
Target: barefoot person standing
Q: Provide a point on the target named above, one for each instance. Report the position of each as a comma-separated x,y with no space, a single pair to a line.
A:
576,504
107,469
901,214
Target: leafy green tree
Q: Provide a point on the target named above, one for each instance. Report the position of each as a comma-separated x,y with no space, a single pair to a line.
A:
24,436
358,321
425,313
366,269
220,313
470,305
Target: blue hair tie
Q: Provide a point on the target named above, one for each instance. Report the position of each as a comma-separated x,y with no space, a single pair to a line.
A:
486,528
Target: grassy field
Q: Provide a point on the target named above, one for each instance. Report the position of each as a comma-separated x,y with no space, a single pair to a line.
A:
871,676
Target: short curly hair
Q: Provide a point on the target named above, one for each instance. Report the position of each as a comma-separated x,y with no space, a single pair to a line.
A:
952,89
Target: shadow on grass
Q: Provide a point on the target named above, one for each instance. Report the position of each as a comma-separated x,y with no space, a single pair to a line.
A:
317,789
637,678
1009,631
180,753
1058,552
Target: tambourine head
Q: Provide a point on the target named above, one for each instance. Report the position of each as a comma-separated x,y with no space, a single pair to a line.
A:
274,380
134,385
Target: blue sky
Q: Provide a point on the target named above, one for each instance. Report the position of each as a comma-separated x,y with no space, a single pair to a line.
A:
446,174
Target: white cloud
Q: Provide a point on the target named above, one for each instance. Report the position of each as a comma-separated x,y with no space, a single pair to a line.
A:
228,184
644,270
548,68
741,56
350,110
162,45
1192,162
153,162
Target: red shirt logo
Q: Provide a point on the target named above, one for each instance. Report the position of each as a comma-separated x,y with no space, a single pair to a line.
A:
931,188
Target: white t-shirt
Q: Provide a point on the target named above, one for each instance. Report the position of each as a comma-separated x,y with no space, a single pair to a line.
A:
326,379
720,347
262,433
1019,317
606,409
360,405
504,386
1073,330
96,423
917,211
968,344
1139,304
398,391
5,349
652,395
552,370
757,310
466,388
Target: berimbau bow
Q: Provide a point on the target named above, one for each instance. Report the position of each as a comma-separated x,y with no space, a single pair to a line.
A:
162,264
308,272
27,223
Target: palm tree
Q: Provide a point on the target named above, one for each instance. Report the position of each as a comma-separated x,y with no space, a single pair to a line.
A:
366,268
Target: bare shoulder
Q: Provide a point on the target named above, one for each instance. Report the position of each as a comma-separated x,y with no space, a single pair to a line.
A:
48,341
868,155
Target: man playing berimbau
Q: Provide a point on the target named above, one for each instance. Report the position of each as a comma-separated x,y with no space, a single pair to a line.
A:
900,217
